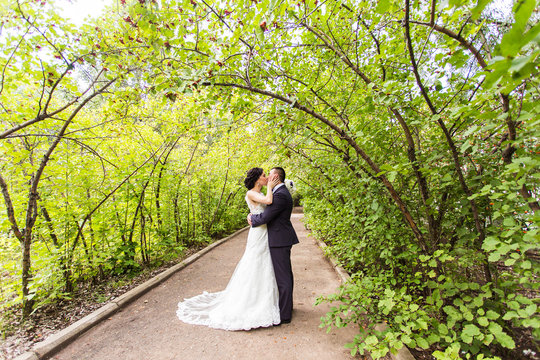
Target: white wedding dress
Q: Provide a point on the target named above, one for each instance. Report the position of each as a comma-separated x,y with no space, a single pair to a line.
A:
250,300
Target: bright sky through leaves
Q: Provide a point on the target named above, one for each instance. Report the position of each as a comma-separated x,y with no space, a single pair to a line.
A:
80,10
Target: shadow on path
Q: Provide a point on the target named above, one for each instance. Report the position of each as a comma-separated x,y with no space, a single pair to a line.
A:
149,329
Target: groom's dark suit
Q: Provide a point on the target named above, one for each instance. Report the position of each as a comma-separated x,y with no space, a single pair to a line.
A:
281,237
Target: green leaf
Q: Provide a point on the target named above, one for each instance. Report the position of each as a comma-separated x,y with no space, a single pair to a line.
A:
466,338
382,6
492,315
443,330
490,243
530,310
501,336
467,315
533,322
433,338
422,343
510,315
478,301
493,257
509,222
477,10
483,321
512,41
371,340
406,339
422,324
514,305
518,63
259,33
471,330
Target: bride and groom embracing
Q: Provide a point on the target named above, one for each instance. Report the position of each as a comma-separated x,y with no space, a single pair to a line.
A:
260,291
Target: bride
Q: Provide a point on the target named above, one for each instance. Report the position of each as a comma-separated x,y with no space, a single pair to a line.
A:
250,300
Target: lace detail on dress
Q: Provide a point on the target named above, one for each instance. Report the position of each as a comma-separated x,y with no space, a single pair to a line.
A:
250,300
255,208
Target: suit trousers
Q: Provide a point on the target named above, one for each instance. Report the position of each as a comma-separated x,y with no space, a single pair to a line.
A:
281,259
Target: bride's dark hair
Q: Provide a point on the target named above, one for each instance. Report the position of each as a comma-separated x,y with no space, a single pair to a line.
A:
252,176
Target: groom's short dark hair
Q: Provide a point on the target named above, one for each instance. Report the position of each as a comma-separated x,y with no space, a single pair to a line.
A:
280,172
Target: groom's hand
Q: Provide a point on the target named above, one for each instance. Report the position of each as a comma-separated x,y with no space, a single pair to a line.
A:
249,219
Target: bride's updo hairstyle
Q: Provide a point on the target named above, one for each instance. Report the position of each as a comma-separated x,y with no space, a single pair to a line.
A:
252,176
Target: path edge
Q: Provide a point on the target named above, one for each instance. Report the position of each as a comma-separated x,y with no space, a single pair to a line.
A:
50,346
404,353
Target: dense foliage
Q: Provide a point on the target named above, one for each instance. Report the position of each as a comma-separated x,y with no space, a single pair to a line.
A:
412,128
99,176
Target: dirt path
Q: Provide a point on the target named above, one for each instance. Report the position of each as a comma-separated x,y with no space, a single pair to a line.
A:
149,329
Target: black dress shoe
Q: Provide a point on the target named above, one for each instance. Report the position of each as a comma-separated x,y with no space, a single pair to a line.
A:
283,322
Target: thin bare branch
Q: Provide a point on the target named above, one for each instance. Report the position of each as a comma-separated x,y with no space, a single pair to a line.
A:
413,60
457,37
10,210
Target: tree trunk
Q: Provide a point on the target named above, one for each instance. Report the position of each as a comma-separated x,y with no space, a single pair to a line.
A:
28,303
158,204
218,207
177,220
142,239
188,222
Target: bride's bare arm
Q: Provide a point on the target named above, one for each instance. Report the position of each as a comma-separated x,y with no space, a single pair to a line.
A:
260,198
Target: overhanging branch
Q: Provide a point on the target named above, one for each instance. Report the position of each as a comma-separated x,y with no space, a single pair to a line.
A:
374,167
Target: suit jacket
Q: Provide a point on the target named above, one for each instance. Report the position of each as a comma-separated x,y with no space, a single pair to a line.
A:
277,216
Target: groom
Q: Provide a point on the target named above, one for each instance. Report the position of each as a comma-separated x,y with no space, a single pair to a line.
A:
281,237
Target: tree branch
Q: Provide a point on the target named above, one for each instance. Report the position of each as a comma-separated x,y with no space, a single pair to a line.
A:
413,60
10,210
457,37
375,168
432,12
44,115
